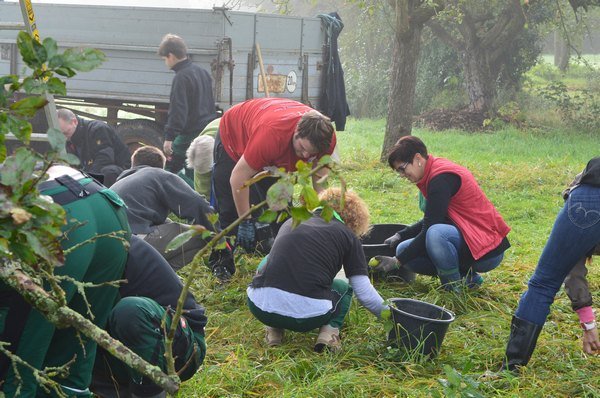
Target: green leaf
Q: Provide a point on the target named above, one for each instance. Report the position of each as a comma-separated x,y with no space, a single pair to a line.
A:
40,249
19,128
282,217
327,213
28,106
8,85
82,59
300,214
181,239
41,54
19,167
279,195
51,47
213,218
311,199
268,216
326,159
56,139
23,252
56,86
302,166
69,158
27,50
29,85
67,72
55,61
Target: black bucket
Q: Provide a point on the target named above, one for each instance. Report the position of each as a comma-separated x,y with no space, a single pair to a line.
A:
419,327
373,246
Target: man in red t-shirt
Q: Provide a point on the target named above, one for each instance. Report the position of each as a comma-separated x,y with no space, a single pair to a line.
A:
256,134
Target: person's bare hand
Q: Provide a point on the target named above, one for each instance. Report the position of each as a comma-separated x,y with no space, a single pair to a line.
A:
168,149
591,343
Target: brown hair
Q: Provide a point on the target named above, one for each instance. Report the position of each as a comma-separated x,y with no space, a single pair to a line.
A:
148,156
172,44
355,212
317,128
405,150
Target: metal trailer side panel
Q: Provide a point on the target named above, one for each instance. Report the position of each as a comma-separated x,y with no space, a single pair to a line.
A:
133,72
284,42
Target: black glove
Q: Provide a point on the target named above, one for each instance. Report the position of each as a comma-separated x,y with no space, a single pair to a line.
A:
393,240
246,235
264,237
254,235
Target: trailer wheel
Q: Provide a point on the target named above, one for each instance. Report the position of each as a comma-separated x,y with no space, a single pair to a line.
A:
139,132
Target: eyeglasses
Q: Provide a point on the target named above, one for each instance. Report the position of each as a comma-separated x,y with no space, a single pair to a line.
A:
402,168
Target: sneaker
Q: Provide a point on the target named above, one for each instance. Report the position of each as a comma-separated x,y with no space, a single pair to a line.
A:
329,337
273,336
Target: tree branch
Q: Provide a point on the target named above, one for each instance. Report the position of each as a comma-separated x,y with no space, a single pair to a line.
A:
425,12
43,377
509,24
441,33
61,316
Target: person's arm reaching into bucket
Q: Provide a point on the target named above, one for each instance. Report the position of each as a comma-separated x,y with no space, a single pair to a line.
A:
367,295
384,264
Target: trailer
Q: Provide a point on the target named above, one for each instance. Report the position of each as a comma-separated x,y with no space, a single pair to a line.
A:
135,80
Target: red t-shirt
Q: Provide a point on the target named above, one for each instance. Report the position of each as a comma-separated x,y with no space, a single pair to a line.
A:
262,130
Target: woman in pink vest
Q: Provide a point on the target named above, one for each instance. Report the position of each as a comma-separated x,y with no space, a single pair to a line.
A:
461,234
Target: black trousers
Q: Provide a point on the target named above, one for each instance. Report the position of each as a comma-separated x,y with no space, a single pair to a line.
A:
223,195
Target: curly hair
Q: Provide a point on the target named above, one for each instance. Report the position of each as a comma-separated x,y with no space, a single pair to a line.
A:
355,212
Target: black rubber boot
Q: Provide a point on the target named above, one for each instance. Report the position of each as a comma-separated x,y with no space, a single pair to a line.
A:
521,343
222,264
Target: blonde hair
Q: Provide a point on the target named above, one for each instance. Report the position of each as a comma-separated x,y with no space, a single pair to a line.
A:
355,212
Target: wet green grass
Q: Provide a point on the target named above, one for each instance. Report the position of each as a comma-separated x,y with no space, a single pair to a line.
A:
523,173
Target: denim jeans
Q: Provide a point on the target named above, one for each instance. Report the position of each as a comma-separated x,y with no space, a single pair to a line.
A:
443,243
575,233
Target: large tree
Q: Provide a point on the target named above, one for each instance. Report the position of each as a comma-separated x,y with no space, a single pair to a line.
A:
483,34
410,18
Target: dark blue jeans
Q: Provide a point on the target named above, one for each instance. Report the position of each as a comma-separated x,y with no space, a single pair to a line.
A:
443,243
575,233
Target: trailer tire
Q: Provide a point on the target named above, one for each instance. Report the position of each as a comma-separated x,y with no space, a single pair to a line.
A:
139,132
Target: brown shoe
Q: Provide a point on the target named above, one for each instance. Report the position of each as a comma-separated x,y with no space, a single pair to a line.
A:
273,336
329,337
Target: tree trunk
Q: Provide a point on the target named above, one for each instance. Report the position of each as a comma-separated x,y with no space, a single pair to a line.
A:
407,48
479,81
562,52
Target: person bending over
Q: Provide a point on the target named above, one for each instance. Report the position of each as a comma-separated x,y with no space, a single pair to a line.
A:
256,134
91,209
151,193
147,298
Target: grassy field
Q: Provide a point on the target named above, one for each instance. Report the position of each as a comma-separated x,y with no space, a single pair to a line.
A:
523,173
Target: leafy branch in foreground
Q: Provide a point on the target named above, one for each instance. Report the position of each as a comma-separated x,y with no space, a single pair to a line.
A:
30,223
